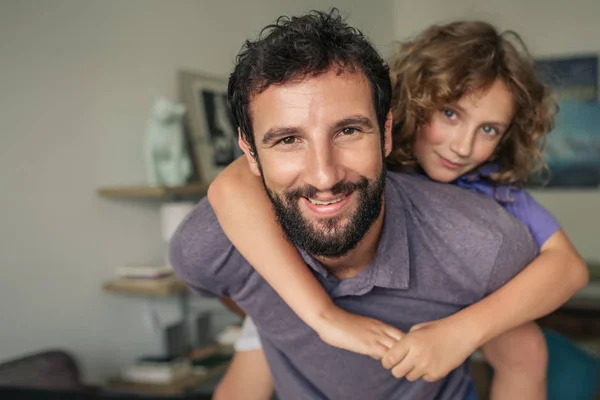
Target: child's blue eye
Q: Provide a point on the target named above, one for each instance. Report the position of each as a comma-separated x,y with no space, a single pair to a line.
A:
488,130
449,113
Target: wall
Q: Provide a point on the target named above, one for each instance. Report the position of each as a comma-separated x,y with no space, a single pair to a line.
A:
548,28
77,82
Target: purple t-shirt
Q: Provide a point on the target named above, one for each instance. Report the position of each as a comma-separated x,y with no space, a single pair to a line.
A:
441,249
540,222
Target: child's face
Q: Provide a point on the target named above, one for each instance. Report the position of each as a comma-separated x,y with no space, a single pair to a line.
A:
463,135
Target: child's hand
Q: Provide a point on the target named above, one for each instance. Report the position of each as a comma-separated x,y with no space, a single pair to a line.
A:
430,351
358,334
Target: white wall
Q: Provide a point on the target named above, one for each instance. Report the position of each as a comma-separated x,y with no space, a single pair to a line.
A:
548,28
77,79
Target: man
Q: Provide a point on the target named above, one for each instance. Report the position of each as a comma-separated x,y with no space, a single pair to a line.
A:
312,101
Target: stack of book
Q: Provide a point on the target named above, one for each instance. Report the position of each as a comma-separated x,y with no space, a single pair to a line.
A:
158,370
144,272
141,278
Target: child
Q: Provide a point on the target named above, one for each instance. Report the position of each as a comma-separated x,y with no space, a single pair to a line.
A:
469,111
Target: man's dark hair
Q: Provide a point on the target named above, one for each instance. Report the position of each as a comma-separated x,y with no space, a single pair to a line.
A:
304,47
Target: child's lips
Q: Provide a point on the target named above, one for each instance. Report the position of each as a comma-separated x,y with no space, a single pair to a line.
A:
450,164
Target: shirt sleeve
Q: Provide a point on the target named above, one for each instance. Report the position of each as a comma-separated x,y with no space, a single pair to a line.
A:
204,258
540,222
517,249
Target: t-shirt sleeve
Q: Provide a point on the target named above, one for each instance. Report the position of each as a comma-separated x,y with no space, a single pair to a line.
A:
204,258
540,222
517,249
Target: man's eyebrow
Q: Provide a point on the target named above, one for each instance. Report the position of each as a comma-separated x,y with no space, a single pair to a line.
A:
274,134
354,120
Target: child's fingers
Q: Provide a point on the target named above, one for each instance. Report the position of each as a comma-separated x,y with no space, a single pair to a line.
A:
403,369
378,350
386,341
395,355
416,327
394,333
429,378
414,374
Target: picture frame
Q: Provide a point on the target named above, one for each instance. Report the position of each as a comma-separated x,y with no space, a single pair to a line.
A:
573,77
572,150
210,126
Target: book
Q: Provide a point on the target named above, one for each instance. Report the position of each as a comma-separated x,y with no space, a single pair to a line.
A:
144,271
150,370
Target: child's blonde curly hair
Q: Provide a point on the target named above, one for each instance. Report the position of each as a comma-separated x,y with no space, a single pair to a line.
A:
444,63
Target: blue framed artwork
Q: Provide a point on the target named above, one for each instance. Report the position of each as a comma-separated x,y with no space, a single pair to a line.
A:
573,78
572,149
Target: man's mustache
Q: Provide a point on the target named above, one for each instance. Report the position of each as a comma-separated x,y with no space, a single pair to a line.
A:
341,187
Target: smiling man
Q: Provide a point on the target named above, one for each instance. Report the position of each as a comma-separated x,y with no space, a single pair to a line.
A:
321,160
312,100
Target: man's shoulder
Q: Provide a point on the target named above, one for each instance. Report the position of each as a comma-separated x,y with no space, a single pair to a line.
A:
422,191
202,255
198,227
472,228
453,211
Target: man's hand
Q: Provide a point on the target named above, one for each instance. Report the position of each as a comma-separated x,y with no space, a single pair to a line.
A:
430,351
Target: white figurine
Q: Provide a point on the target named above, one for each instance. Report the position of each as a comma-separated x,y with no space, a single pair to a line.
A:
167,161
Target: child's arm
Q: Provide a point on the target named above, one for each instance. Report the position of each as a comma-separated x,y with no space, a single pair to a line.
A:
247,218
433,349
543,286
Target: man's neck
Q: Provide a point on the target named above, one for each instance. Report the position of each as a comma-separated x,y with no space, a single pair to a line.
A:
356,260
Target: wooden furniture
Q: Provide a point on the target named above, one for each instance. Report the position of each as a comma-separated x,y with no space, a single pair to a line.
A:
153,192
163,287
178,387
159,287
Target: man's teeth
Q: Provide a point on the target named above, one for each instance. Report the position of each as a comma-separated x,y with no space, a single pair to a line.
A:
324,203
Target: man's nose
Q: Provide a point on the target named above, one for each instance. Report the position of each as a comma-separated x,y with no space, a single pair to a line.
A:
322,170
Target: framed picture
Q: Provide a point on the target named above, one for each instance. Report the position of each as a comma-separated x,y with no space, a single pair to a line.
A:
572,150
573,77
212,132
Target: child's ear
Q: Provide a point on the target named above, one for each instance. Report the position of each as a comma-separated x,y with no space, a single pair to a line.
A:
388,134
250,156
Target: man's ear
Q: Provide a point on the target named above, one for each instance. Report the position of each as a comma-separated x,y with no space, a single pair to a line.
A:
245,146
388,134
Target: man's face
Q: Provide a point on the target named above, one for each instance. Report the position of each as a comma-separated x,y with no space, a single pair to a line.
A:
319,153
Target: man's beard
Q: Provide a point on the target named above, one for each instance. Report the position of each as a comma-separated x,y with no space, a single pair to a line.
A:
329,238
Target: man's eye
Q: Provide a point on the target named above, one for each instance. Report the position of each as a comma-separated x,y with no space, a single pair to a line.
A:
349,131
288,140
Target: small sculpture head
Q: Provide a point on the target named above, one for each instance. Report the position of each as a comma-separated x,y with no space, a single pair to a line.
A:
167,111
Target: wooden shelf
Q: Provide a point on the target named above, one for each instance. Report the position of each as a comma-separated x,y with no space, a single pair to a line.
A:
177,387
163,287
153,192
